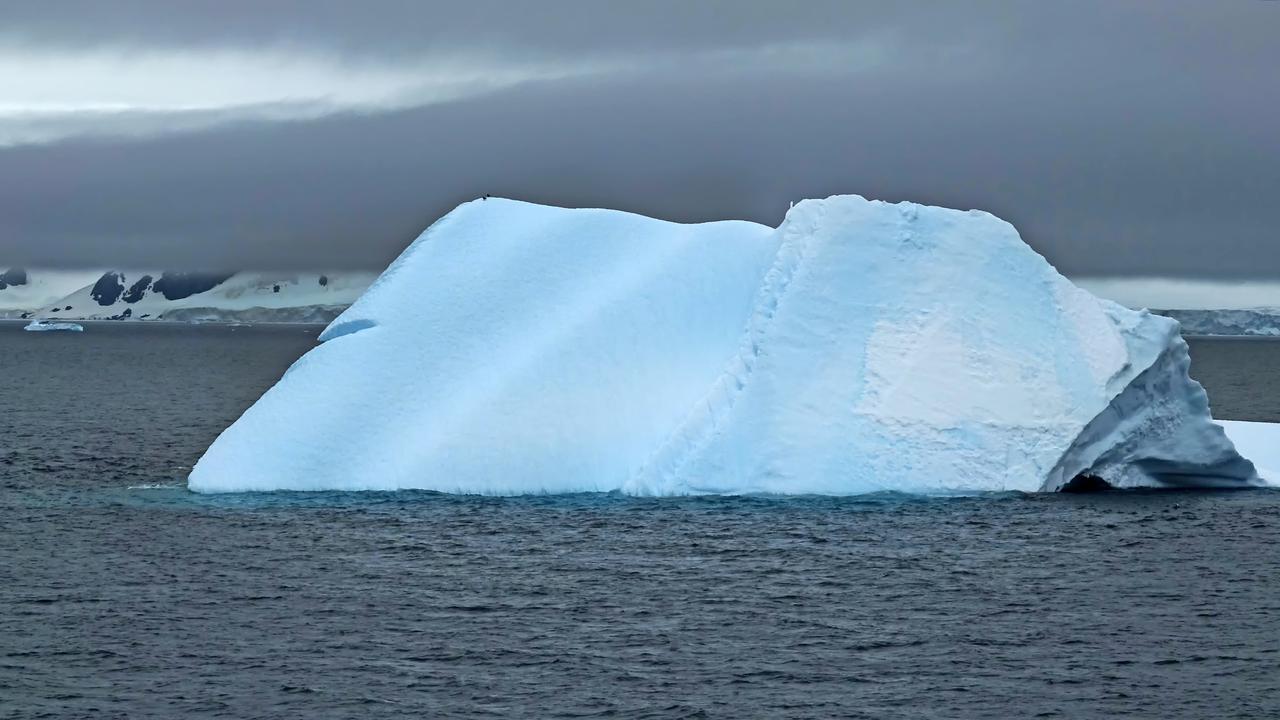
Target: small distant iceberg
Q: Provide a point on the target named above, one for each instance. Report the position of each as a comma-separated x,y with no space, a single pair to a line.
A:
861,346
50,326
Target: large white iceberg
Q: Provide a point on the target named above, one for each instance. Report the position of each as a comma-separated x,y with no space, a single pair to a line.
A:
861,346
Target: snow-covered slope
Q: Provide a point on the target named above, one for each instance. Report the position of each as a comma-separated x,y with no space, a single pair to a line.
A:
258,296
861,346
26,290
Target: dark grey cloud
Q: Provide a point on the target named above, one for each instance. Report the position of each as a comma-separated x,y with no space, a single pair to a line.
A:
1119,137
392,27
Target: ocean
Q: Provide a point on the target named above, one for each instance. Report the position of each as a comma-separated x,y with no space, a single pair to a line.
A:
123,595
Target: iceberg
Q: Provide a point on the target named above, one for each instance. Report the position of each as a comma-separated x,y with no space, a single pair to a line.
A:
861,346
47,326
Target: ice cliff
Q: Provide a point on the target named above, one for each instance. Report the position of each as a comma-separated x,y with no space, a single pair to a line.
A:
861,346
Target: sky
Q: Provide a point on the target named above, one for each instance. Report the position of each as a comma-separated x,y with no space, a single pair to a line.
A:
1122,137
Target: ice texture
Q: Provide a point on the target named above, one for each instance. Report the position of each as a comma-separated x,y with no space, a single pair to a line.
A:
37,288
862,346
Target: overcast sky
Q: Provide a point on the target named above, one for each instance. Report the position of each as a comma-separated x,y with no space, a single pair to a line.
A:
1122,138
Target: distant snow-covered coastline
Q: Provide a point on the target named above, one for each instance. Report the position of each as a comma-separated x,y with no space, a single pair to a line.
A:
318,298
248,297
1245,322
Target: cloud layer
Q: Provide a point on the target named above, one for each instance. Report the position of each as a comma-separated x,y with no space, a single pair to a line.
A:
1119,139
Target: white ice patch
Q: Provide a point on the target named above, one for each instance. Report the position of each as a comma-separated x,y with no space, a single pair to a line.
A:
911,377
862,346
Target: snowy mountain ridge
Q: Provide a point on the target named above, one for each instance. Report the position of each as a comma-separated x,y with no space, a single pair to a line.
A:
25,291
179,296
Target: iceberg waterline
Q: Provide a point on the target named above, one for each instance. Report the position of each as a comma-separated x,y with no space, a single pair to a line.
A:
861,346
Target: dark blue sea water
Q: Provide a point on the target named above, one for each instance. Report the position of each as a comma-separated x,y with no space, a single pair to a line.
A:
122,595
